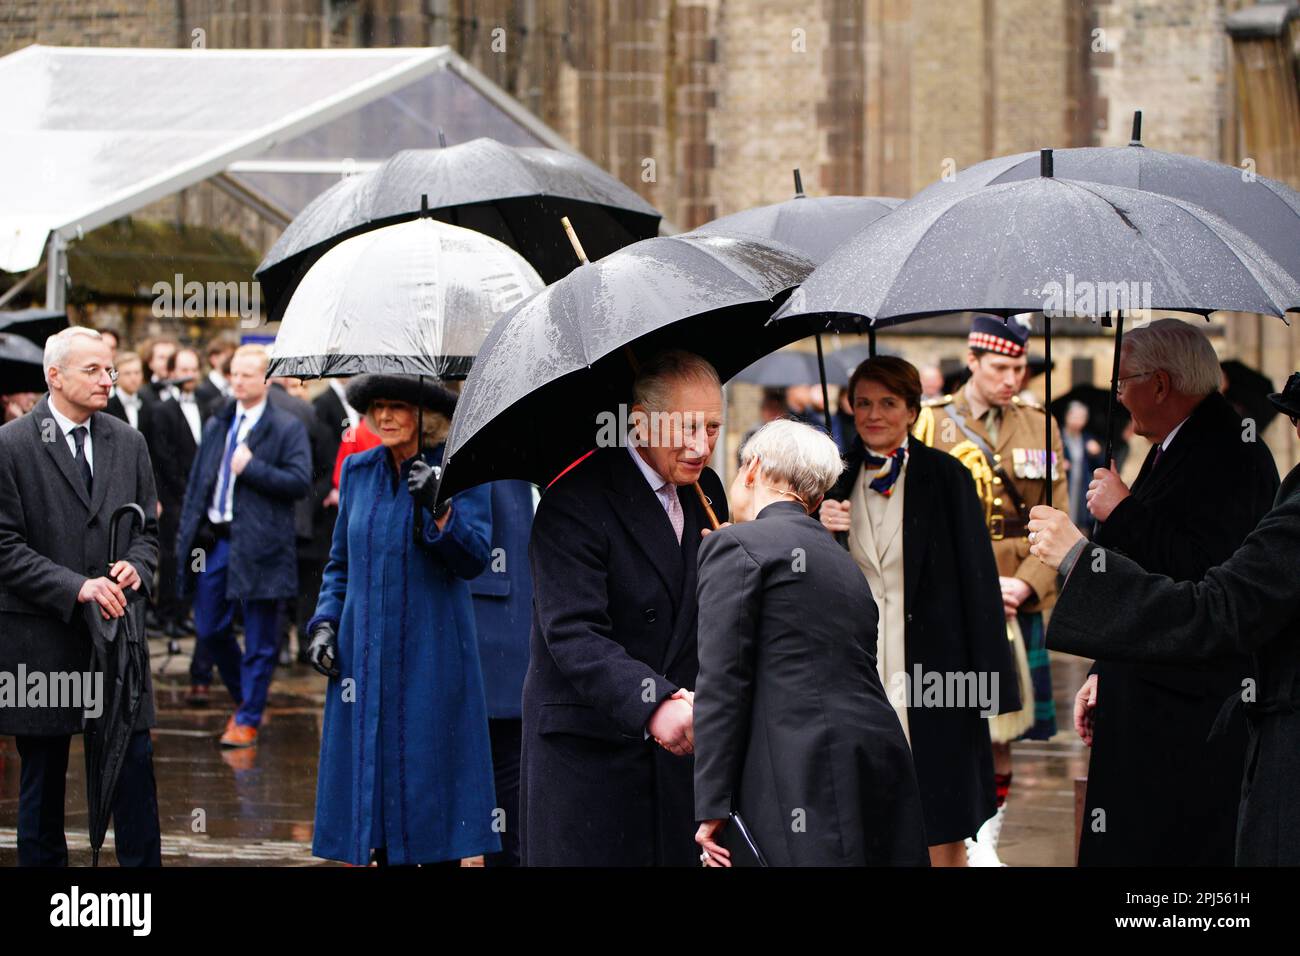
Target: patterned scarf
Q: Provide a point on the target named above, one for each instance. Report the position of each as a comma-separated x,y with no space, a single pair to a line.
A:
886,469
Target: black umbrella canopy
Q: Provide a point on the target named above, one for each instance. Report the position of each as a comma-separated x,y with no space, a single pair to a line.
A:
35,325
516,195
22,365
551,372
1045,244
1264,209
781,369
813,225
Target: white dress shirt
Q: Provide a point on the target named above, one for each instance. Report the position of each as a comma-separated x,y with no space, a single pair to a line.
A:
131,405
354,417
190,409
220,512
66,425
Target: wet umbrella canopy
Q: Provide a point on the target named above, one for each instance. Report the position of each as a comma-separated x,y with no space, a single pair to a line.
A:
513,194
554,370
416,298
814,225
1266,210
781,369
1045,244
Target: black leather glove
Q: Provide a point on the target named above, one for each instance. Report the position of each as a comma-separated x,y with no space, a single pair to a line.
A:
423,485
323,652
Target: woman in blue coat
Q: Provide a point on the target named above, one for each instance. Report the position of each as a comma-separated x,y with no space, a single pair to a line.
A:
405,771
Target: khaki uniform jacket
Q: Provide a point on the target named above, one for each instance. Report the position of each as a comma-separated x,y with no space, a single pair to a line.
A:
1017,455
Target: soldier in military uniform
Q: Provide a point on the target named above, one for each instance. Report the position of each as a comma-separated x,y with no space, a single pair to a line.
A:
999,437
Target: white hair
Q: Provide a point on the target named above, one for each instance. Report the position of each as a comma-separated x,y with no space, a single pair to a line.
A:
1179,349
59,344
656,378
797,455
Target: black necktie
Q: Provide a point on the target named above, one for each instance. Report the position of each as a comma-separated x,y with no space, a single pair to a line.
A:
79,436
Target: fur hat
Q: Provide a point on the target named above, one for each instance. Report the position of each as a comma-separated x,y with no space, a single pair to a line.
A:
364,389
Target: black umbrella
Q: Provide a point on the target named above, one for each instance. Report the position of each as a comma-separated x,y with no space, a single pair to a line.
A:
513,194
1062,247
22,365
1248,392
814,226
35,325
780,370
555,374
1264,209
121,655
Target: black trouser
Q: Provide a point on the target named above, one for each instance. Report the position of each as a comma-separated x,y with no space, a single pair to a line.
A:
506,735
171,609
43,779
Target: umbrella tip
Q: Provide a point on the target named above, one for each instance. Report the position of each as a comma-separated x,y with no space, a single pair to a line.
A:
424,205
1045,163
798,185
1137,129
442,140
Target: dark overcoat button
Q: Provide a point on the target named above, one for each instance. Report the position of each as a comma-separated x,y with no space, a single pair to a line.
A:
650,615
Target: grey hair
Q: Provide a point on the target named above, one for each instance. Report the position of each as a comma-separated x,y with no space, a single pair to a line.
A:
656,378
59,344
797,455
1177,348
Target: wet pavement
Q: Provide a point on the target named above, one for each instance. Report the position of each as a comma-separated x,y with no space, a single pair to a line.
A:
255,807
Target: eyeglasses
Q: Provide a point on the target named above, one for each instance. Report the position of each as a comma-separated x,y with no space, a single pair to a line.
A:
1119,382
94,371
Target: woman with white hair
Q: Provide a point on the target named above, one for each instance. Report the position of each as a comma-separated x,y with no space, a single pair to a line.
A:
793,731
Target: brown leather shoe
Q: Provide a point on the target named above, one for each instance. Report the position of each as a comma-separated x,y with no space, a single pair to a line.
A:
238,735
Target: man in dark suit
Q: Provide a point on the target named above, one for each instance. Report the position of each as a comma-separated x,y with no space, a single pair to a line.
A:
126,403
177,428
64,469
236,539
503,601
607,706
157,354
1111,608
1159,793
214,390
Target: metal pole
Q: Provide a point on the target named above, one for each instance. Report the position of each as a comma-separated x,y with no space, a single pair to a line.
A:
56,274
826,395
1047,355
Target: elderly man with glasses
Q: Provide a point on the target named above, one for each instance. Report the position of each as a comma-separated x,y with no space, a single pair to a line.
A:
1159,792
65,467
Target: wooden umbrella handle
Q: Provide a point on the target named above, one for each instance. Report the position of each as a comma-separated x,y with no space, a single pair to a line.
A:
708,509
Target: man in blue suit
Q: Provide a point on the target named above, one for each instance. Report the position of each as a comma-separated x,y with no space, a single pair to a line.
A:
503,602
236,540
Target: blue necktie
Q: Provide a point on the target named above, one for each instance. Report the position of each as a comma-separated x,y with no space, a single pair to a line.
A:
231,444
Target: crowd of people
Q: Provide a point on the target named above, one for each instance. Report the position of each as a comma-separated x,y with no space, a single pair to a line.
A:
825,664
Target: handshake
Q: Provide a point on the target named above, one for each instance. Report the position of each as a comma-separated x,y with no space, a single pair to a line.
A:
672,725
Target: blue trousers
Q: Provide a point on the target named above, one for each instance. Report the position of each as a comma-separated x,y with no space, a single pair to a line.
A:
43,778
248,675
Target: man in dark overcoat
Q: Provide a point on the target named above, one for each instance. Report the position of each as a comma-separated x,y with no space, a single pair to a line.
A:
1159,792
65,467
1110,608
607,706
